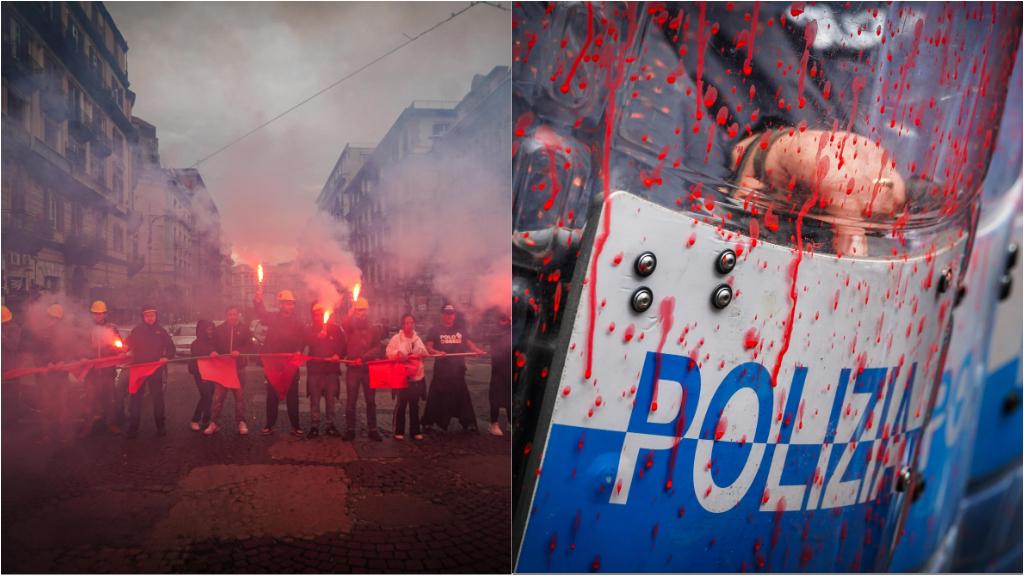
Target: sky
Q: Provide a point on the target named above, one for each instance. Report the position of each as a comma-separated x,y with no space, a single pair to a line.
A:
205,73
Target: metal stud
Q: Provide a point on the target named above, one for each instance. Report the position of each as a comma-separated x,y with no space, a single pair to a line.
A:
1011,255
904,479
945,280
645,264
725,262
961,293
642,299
1005,286
722,296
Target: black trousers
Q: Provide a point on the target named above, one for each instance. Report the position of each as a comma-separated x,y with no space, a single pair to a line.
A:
291,401
356,379
409,399
154,386
203,408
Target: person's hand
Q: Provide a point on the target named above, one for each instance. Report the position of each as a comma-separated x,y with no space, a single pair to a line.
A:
235,353
334,358
258,298
402,355
163,359
213,354
440,353
854,177
357,361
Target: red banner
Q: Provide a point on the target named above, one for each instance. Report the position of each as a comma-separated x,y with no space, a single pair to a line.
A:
388,375
223,370
137,374
280,370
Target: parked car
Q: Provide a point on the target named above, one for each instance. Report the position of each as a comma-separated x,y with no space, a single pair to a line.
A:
183,336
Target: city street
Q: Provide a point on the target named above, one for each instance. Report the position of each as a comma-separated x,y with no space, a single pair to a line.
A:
227,503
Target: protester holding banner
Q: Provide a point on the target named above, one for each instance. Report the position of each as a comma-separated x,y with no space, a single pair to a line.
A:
99,381
150,345
50,344
500,393
448,396
285,333
203,345
231,337
12,359
401,346
364,344
323,378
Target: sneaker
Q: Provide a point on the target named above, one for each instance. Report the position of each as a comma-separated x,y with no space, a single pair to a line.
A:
417,437
298,433
374,435
331,430
243,428
399,437
495,429
313,432
349,436
211,429
194,426
267,431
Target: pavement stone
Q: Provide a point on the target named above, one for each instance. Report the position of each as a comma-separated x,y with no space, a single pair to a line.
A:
229,503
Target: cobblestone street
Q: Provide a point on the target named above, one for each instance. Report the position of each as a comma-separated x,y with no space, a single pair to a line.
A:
228,503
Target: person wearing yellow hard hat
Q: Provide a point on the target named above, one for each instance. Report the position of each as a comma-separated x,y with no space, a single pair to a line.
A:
285,333
10,345
99,382
51,343
364,344
6,315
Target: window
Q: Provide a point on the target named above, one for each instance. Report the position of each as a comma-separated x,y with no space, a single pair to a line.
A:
439,128
59,219
51,133
118,239
76,219
76,37
15,40
51,209
17,108
51,284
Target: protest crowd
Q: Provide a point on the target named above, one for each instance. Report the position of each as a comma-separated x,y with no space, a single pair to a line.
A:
117,374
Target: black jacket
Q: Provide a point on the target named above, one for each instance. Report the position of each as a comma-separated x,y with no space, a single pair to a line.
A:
227,338
284,333
324,347
149,343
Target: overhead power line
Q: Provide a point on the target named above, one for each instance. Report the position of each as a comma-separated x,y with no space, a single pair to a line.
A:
410,40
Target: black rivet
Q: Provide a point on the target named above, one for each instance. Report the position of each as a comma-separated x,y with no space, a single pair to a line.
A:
642,299
1011,403
906,476
1005,286
721,296
725,262
1012,252
945,280
645,264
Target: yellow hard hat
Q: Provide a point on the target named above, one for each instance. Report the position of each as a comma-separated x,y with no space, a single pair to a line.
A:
286,296
5,314
316,306
98,307
55,311
362,304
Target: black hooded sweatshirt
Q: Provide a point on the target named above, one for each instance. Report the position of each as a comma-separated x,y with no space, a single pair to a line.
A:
149,343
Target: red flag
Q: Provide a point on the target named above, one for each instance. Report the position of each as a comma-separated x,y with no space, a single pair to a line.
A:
388,375
137,374
222,370
281,369
81,369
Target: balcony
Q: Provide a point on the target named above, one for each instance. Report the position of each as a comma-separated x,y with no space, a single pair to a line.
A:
79,126
83,250
25,233
101,144
22,73
53,99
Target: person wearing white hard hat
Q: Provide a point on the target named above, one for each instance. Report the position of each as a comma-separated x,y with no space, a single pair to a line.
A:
285,333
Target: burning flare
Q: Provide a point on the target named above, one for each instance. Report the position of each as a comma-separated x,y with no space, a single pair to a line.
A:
118,344
327,314
355,291
259,273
